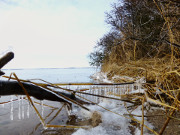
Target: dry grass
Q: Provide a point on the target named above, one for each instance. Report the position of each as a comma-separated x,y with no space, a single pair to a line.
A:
151,69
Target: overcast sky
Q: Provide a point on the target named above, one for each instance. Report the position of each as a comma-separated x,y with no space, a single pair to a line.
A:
51,33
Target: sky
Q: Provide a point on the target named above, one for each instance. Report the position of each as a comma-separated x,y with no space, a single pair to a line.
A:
51,33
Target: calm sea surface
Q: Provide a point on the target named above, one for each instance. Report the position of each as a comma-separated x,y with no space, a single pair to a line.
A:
55,75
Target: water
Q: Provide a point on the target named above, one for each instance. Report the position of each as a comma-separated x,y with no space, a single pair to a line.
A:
56,75
17,116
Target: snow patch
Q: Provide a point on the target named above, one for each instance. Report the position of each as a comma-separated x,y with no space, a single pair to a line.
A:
112,124
100,77
94,131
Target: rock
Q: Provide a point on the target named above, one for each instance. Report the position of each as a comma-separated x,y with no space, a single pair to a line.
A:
96,119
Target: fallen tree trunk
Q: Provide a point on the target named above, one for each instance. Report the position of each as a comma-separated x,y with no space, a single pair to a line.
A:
13,88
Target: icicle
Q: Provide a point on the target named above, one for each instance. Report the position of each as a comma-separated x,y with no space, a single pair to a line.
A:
120,90
90,88
94,92
22,106
98,94
108,90
132,87
114,91
11,113
19,107
139,87
105,92
42,109
91,91
117,90
102,93
69,87
28,110
124,89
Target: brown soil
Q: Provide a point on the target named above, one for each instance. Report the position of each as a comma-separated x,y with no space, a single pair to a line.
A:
158,120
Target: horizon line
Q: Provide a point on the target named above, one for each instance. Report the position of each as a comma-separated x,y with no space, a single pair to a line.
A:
47,68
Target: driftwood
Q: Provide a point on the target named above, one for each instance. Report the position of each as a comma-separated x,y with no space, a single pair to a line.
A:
5,59
13,88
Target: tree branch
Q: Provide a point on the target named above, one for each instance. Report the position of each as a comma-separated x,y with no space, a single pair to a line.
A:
6,58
